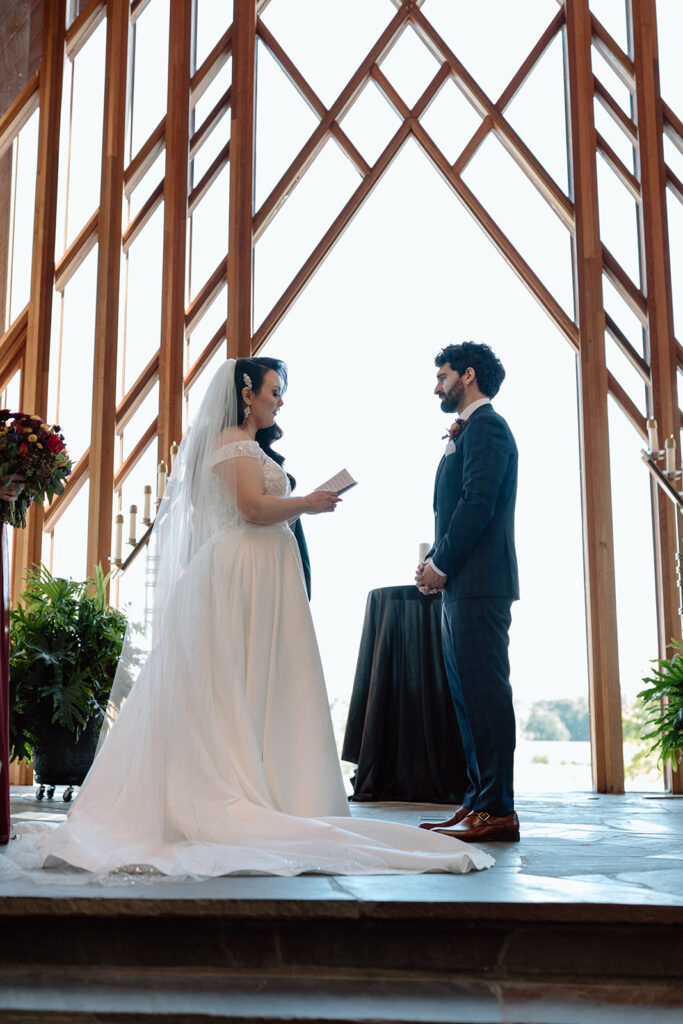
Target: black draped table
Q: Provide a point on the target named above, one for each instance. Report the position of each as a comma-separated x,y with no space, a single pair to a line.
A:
401,730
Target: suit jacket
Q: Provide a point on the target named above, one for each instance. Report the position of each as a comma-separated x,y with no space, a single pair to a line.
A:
474,509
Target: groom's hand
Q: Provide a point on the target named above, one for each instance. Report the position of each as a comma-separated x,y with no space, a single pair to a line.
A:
428,581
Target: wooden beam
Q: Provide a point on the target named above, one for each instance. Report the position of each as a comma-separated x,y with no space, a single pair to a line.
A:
211,121
240,247
136,395
16,116
603,654
209,351
108,276
659,330
206,296
83,243
142,216
54,512
84,25
34,379
136,454
12,346
171,350
144,158
204,76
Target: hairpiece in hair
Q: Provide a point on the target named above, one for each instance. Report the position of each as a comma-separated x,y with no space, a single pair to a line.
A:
247,380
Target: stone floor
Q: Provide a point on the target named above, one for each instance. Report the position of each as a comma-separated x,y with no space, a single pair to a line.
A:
581,921
576,848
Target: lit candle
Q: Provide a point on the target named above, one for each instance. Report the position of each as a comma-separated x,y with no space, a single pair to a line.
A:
147,507
133,518
161,480
653,440
174,452
118,538
423,549
670,450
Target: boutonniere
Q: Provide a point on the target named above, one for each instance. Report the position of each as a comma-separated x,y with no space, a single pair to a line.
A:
454,432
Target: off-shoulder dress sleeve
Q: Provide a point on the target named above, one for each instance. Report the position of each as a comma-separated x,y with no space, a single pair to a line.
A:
236,450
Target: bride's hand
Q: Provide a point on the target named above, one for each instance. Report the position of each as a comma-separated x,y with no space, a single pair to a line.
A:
321,501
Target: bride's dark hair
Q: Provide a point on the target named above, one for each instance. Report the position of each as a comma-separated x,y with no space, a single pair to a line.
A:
256,369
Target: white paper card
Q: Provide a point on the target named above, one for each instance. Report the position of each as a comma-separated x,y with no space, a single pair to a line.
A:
340,482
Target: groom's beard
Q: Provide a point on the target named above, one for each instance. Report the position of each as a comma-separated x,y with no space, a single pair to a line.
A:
451,400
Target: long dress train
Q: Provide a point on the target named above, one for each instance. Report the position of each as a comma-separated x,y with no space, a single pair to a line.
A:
222,759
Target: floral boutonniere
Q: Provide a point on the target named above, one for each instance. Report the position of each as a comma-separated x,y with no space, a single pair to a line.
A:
454,432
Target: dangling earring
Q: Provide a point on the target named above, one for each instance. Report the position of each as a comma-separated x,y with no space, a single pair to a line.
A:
247,413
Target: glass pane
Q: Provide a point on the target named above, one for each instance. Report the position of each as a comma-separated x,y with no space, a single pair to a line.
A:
210,322
69,539
11,394
210,149
611,81
150,72
132,491
140,328
675,217
515,204
137,425
625,374
636,604
194,397
537,113
71,356
612,16
85,158
284,122
64,142
371,122
300,224
614,135
410,67
622,314
209,232
618,220
213,18
490,37
22,221
674,157
669,35
213,93
451,120
327,39
396,274
146,186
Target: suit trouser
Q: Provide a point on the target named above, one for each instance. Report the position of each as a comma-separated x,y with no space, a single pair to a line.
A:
475,640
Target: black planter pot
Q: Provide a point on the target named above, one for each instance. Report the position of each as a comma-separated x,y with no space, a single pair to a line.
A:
60,760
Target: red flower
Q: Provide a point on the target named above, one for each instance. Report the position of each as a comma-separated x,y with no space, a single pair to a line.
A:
23,448
54,444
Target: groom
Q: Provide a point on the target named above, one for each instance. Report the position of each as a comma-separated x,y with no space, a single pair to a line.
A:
473,563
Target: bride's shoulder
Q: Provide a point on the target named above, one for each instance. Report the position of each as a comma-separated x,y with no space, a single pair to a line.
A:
231,443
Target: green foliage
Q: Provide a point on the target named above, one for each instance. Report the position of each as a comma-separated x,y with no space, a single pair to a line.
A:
561,719
663,702
64,647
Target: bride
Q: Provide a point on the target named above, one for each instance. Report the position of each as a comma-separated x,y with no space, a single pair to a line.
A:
221,760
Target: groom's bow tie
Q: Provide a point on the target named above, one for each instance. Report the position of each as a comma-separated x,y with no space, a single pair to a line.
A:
456,428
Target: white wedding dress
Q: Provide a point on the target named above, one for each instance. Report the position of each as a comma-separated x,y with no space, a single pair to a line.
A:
222,759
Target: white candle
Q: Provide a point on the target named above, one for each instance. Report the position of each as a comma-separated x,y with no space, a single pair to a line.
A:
423,549
652,438
147,506
670,449
118,538
161,480
174,452
133,519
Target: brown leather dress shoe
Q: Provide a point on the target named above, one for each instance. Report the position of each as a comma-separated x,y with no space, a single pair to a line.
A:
480,827
461,813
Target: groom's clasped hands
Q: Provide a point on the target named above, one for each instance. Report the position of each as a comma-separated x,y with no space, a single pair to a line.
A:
429,581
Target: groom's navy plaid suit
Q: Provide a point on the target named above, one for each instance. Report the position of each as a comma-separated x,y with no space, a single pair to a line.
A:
474,507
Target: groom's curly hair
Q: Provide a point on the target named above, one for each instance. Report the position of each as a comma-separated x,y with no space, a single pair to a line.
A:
483,360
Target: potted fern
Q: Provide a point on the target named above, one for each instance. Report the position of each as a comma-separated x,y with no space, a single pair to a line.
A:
65,642
663,702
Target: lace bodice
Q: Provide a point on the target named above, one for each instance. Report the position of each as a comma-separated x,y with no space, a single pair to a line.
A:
275,479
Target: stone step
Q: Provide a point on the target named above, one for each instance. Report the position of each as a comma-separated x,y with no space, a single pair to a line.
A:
112,996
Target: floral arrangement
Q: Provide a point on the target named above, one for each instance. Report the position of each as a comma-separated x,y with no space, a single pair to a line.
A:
34,452
455,429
